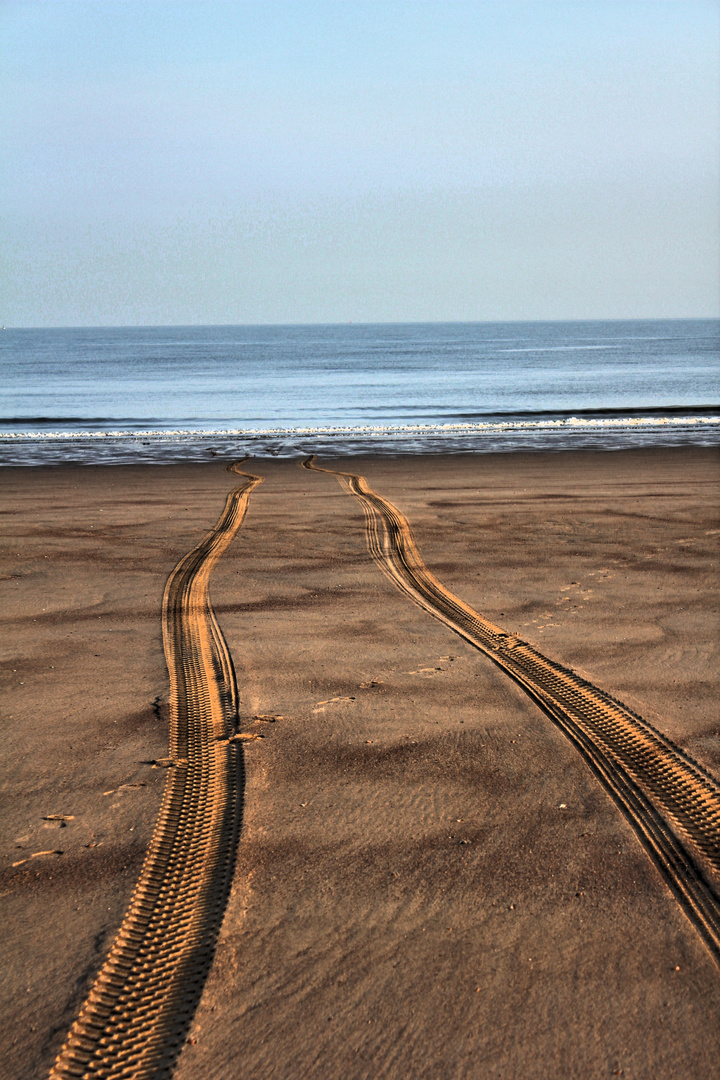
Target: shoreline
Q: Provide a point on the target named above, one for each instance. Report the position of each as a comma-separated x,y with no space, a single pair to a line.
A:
216,459
570,433
403,850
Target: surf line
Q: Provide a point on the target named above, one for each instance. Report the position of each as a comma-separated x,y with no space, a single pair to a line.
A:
136,1017
671,802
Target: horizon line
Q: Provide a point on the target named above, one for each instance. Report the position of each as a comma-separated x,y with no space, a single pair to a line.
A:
359,322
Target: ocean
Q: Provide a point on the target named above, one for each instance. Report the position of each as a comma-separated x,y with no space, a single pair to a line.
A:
161,394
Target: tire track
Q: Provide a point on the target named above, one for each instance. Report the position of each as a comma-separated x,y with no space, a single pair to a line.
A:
136,1017
670,801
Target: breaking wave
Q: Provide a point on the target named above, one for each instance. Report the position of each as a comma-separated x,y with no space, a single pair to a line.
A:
489,436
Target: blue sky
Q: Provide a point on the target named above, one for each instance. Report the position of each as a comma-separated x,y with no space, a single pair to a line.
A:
231,162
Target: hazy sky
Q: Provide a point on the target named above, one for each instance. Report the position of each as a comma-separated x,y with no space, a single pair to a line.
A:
246,162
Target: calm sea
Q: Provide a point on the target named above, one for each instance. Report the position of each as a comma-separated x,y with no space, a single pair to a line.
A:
170,393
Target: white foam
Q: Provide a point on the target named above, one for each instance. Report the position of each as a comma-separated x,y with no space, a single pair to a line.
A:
371,430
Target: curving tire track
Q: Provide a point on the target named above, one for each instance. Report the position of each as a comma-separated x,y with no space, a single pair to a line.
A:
137,1014
670,801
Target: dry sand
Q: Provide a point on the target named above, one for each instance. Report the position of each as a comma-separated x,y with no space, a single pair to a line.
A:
430,882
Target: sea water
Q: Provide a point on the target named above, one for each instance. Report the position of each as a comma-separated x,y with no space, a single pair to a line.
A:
185,393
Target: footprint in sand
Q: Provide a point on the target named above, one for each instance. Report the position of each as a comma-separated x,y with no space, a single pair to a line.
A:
57,821
125,787
252,736
320,705
37,855
430,671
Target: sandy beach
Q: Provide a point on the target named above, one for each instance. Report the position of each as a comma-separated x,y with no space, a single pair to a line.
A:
429,881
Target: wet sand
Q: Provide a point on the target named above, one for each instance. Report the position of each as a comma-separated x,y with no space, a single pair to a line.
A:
430,881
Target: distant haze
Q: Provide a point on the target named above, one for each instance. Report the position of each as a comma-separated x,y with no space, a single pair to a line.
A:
264,162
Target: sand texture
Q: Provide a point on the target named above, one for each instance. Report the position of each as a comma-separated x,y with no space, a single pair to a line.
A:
434,877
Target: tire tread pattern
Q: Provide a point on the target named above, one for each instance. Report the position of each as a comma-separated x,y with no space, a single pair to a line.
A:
136,1017
671,802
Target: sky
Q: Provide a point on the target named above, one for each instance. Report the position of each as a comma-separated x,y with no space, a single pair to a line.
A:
221,161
